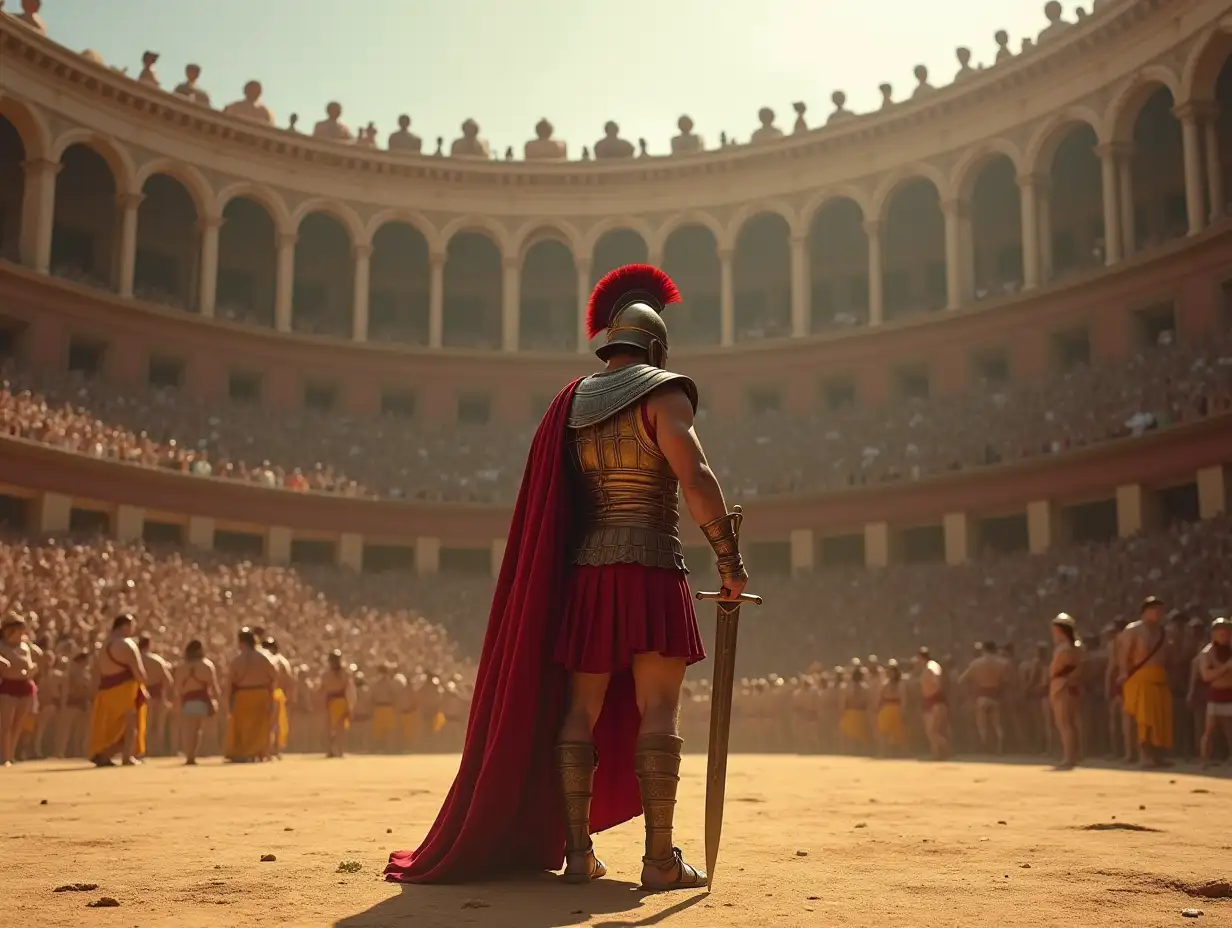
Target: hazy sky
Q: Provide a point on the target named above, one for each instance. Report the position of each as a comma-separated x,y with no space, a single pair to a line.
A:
506,63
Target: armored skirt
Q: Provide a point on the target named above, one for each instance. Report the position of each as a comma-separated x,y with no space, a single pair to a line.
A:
614,611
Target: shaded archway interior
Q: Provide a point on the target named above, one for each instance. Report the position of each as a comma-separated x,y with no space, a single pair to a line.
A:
548,298
691,259
247,263
12,189
1075,203
996,228
168,244
85,228
1158,212
473,290
761,277
398,300
913,251
324,278
838,266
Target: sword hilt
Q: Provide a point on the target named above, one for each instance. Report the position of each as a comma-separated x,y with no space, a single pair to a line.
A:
728,598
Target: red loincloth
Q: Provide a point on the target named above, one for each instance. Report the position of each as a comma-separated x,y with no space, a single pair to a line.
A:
504,812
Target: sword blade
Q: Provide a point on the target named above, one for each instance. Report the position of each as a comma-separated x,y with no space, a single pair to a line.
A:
726,631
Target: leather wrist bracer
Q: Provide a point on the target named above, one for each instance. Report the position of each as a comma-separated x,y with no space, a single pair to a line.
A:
721,533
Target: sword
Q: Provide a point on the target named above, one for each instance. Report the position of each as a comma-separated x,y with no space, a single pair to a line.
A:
726,630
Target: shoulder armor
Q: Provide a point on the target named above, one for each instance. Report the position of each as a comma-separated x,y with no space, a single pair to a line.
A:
600,396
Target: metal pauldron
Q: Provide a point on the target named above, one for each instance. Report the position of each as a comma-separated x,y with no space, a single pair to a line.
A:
723,535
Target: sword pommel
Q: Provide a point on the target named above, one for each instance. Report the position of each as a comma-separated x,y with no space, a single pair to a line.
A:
722,597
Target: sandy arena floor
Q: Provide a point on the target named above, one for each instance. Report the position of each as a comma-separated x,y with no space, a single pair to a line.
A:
808,841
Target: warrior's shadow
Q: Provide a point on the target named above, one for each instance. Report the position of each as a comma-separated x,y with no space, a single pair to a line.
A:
542,901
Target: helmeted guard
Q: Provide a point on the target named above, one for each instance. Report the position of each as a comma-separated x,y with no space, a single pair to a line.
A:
594,576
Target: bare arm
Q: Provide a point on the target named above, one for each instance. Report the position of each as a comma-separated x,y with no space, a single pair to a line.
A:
671,413
135,664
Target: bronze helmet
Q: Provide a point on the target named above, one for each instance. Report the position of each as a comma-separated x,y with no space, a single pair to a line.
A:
627,303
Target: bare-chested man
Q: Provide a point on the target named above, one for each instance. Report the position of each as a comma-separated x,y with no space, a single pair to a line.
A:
1063,688
118,719
1034,676
50,681
18,693
1122,729
934,704
337,691
196,698
159,674
386,697
284,690
250,678
74,715
988,677
1215,668
1144,682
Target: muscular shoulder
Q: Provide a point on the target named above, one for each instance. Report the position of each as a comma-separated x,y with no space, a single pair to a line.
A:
1134,628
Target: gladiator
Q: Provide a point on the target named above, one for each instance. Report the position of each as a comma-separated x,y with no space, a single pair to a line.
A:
158,673
577,696
74,715
18,691
1064,691
196,698
251,679
988,677
1145,684
338,697
1215,669
934,706
284,688
118,719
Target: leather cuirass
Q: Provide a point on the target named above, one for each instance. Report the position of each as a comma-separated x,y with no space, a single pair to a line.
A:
628,499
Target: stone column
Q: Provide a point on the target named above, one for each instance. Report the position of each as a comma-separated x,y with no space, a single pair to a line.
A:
1030,231
1125,176
1040,518
284,289
38,213
436,299
953,210
278,545
654,255
1214,484
583,293
1111,194
129,524
1214,168
362,284
1195,196
201,532
350,551
207,280
427,555
876,312
803,551
727,299
129,204
877,544
801,288
958,529
497,556
1043,198
511,297
55,513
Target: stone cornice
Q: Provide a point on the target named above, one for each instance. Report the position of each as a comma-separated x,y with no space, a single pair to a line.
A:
107,88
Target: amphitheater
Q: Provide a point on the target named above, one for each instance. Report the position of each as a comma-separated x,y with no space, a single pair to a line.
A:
965,360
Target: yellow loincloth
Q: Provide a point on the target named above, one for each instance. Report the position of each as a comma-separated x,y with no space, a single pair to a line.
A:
890,724
854,725
281,719
339,711
109,718
248,723
384,724
438,723
1148,700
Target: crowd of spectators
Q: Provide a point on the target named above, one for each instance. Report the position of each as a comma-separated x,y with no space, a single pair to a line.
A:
395,457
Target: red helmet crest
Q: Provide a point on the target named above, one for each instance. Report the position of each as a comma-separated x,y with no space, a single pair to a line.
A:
648,282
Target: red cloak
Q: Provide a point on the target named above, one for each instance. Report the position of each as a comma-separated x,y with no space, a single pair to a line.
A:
504,812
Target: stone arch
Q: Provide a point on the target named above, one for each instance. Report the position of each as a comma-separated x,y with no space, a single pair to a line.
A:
118,159
757,208
823,198
548,294
324,272
1043,145
337,210
612,224
975,159
484,225
1127,103
1202,67
193,180
30,125
691,218
690,253
399,274
412,218
762,275
838,280
168,241
266,197
530,233
896,180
